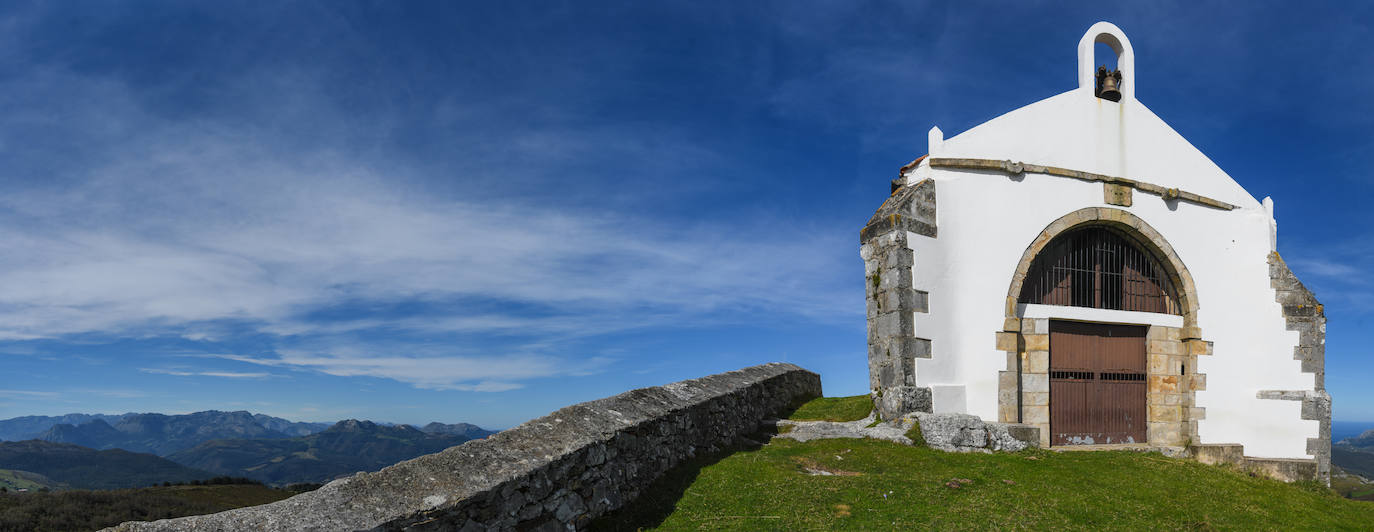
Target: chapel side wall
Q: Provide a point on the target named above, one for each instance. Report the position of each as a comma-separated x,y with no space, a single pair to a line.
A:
988,220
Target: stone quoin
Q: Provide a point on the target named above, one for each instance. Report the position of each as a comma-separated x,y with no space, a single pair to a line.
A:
1076,265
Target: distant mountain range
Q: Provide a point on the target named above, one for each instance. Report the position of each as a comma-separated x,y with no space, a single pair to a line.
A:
104,450
74,466
343,449
470,431
163,434
1355,455
30,427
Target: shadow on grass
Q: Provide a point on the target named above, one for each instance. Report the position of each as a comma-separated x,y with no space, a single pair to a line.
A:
659,500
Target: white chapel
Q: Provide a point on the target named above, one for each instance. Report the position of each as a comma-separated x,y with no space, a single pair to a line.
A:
1077,266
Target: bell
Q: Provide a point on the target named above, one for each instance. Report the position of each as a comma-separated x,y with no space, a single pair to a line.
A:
1108,84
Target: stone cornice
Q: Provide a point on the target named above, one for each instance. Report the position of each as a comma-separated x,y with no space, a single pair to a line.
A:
1014,168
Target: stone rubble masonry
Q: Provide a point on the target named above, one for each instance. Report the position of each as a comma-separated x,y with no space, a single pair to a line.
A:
892,300
557,472
1304,314
969,433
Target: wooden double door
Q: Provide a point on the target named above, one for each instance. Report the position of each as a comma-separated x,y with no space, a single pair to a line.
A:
1097,383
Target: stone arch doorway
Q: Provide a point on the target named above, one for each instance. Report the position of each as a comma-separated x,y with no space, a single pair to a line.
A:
1171,341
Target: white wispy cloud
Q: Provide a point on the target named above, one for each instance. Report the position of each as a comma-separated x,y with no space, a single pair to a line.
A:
125,222
185,226
1348,271
465,373
29,394
224,374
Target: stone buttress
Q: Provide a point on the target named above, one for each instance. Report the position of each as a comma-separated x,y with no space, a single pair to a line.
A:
892,300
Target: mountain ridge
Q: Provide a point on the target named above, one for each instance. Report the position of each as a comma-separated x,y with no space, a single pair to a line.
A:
345,448
82,467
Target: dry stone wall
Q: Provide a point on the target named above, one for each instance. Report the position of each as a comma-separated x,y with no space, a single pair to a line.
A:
557,472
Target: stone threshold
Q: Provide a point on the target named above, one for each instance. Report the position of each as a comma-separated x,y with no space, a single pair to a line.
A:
1166,450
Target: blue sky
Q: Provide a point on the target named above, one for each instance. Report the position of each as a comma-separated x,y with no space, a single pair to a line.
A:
482,212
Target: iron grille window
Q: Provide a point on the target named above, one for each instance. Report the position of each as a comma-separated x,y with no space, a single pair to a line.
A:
1096,267
1129,377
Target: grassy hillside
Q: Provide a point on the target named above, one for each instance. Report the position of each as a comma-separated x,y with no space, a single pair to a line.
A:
1358,461
13,480
834,409
872,485
81,467
93,510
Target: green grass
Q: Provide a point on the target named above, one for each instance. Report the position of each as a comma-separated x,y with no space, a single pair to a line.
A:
93,510
884,486
851,408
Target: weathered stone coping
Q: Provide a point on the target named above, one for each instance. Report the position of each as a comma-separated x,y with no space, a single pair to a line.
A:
553,473
1233,454
1018,167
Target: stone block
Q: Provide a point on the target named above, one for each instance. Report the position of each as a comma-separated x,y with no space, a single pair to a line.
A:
889,375
1011,325
1036,362
1157,332
1157,364
1012,437
1006,411
920,301
910,348
1163,433
894,279
1190,332
1163,383
1006,381
1035,415
1166,414
1007,341
1218,453
1035,326
899,258
1285,469
1316,405
1114,194
1197,382
1035,398
897,401
896,325
1164,347
1035,382
1197,347
1037,342
952,432
903,300
1196,413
